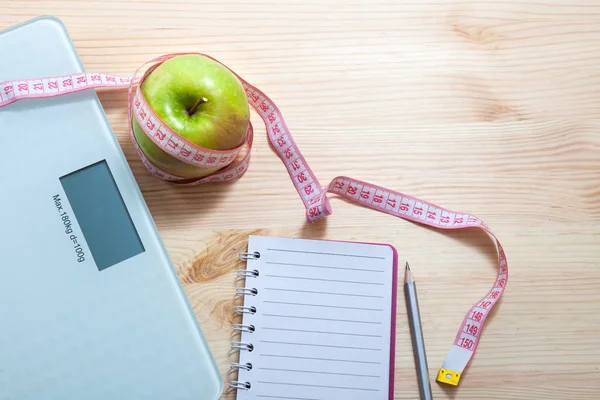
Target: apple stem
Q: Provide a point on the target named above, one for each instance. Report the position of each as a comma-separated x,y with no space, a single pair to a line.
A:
194,108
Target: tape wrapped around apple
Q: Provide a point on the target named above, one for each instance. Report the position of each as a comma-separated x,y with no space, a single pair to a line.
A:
201,100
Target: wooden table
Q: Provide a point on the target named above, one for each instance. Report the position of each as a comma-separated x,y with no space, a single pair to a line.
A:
479,106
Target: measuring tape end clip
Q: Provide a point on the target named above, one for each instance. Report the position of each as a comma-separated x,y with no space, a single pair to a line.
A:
448,376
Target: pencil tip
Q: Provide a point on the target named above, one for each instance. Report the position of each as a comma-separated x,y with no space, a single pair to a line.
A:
408,276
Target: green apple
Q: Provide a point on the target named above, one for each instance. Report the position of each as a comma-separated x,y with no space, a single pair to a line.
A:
201,100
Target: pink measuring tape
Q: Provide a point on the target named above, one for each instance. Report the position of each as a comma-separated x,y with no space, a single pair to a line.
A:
313,195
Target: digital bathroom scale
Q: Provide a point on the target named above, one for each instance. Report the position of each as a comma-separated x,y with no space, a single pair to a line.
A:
90,305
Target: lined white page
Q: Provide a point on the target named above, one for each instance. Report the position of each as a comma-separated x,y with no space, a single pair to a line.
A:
323,320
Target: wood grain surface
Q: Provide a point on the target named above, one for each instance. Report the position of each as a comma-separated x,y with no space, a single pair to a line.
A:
488,107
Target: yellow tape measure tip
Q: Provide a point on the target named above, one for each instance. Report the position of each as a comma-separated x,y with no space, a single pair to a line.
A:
448,376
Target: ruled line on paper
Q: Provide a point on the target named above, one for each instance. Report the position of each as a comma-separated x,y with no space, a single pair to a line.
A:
323,319
331,293
264,396
327,254
322,305
320,345
323,332
318,386
323,280
319,359
324,266
320,372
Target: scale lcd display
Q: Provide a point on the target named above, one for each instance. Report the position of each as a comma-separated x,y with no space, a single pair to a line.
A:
102,215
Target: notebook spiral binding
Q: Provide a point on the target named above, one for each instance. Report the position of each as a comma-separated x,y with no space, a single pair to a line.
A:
243,346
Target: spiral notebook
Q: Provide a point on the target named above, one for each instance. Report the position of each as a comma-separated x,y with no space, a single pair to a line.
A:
318,320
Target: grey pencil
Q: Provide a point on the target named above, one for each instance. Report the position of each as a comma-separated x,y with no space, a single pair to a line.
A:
416,331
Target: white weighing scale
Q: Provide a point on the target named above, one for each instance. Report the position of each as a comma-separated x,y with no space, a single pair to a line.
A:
90,305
